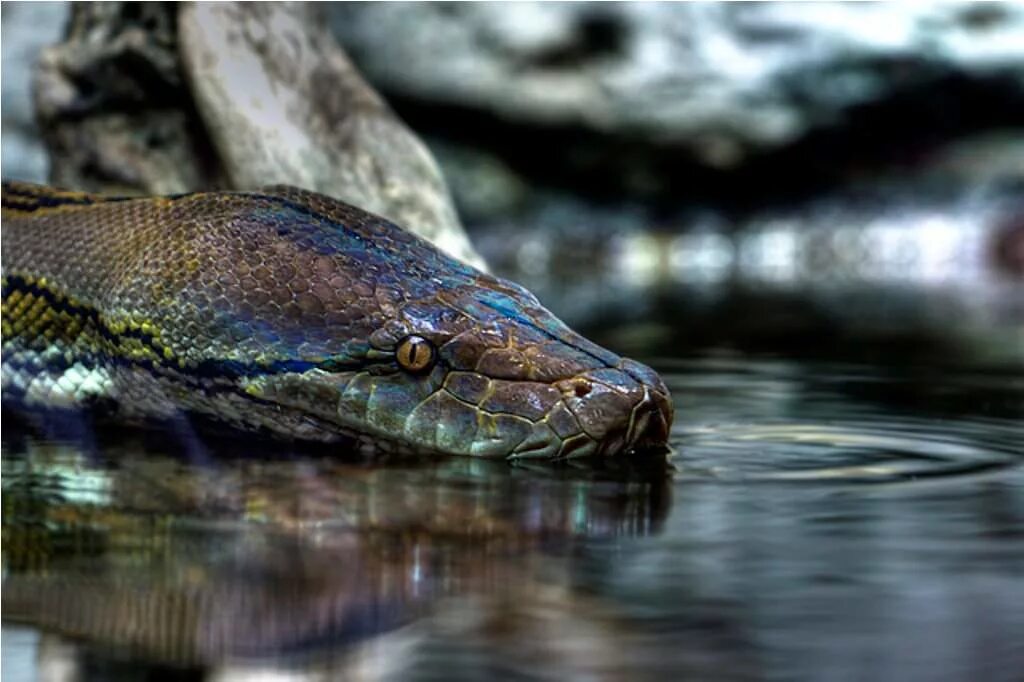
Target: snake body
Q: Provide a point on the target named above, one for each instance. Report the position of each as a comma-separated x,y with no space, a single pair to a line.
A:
289,311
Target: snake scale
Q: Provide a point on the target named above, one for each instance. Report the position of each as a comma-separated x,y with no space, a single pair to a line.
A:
288,311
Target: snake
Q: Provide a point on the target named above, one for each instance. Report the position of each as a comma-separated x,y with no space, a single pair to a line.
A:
290,313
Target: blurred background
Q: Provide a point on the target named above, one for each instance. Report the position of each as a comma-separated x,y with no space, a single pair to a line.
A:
808,217
764,175
768,176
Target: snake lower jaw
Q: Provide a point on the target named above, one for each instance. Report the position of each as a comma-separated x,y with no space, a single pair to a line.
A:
619,413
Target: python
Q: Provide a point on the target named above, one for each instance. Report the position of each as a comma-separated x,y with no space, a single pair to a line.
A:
288,311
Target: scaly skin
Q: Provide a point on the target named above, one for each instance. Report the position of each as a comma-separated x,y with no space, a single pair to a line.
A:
282,309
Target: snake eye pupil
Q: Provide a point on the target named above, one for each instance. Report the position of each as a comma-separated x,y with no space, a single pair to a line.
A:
415,354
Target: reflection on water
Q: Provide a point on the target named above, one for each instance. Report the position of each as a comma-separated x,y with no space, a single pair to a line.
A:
245,556
817,521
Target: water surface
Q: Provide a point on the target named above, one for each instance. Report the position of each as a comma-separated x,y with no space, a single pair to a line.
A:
817,520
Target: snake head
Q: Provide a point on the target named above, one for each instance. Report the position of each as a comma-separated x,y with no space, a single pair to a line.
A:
483,369
373,333
522,384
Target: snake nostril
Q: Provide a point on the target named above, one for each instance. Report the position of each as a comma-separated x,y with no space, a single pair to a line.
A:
582,388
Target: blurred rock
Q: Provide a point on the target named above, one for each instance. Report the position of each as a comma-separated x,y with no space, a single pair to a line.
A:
984,160
26,28
114,108
482,185
721,80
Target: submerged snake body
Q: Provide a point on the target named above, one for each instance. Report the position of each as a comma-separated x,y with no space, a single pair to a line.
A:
287,310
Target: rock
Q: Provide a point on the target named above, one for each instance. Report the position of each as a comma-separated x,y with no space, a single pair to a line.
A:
114,108
27,28
721,81
481,184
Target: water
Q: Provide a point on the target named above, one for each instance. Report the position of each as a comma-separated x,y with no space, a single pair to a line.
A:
818,520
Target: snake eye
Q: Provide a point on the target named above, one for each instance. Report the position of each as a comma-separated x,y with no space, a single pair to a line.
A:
415,354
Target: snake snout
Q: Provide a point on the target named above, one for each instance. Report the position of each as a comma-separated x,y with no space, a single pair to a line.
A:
651,422
652,416
619,409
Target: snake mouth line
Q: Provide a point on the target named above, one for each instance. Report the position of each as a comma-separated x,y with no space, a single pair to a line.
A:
576,446
564,430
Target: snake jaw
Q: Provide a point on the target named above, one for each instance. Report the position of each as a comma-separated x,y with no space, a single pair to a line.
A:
461,407
446,413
